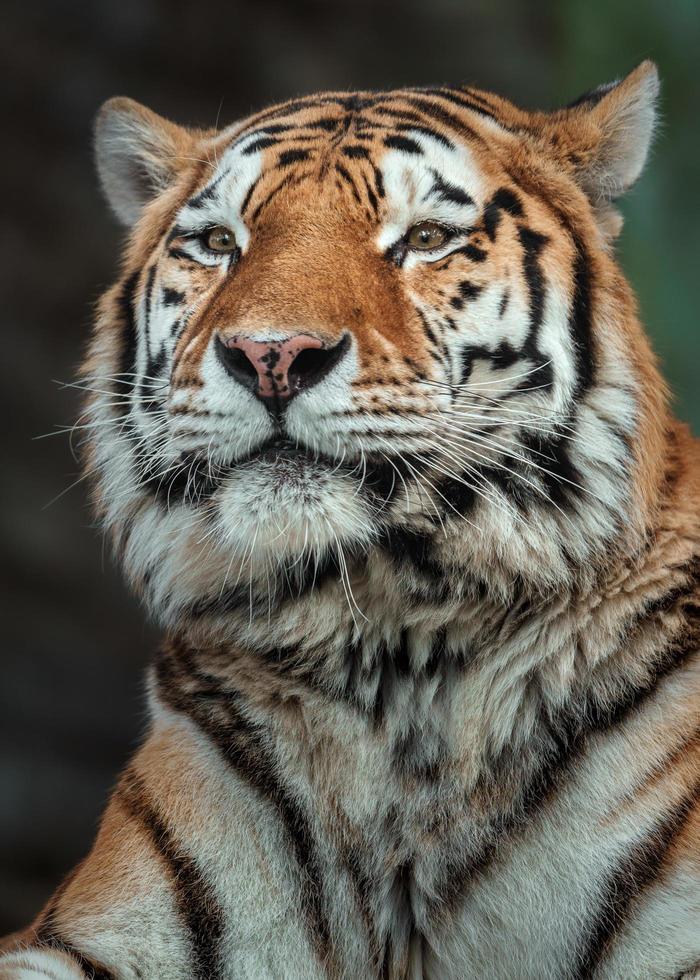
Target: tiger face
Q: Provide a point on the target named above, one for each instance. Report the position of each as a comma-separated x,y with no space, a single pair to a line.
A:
369,330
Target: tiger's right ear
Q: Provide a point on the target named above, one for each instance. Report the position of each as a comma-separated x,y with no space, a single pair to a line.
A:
138,153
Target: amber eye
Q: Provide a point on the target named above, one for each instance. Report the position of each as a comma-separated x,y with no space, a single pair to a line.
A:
219,239
427,235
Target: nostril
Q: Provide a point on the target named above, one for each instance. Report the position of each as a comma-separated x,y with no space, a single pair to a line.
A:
237,364
308,364
311,365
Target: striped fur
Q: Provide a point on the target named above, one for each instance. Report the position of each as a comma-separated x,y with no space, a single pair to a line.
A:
427,705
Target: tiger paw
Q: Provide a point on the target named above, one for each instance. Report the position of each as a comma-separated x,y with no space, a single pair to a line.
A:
31,964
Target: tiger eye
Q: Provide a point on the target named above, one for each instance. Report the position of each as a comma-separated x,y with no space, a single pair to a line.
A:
220,239
427,235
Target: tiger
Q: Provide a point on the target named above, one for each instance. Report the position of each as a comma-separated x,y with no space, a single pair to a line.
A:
377,436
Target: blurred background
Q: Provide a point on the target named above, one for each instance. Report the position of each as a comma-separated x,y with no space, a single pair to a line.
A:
75,647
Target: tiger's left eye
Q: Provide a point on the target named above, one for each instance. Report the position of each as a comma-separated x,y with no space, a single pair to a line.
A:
427,235
220,239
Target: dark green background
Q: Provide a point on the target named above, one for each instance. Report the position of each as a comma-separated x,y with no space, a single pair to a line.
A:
660,243
75,644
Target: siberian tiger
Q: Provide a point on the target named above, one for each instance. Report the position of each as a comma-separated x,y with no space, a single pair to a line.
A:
379,439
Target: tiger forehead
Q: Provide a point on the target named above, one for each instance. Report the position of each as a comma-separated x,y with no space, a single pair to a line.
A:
327,121
335,138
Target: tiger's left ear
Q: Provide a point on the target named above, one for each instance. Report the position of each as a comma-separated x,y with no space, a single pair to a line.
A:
605,137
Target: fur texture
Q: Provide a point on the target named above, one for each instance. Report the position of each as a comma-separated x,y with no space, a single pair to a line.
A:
427,706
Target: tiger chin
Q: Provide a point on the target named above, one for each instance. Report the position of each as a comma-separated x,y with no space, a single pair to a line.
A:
378,438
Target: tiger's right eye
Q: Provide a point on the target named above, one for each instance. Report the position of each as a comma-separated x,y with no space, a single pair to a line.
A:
219,239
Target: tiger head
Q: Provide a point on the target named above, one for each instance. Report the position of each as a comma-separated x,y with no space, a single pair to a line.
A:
373,338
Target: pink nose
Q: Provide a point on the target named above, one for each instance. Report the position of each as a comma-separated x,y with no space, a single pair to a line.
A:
279,369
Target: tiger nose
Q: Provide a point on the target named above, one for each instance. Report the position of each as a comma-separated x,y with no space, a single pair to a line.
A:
277,370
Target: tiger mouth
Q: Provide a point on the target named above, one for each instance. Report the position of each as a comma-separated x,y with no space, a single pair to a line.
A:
284,462
274,450
282,451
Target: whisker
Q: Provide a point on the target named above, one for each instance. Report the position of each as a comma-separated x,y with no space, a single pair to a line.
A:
492,498
470,386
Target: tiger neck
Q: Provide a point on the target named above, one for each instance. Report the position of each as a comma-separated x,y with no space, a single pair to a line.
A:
478,680
450,664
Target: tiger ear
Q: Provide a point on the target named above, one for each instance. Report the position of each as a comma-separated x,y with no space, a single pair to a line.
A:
606,135
138,153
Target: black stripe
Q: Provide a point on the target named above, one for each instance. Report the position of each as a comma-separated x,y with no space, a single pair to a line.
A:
152,398
259,144
425,131
467,291
199,200
326,123
179,253
147,300
561,479
293,585
356,152
340,169
478,96
273,193
430,333
463,102
257,133
407,546
197,904
402,143
636,872
581,319
355,103
449,119
381,482
533,243
177,231
378,181
503,200
371,196
563,736
273,128
472,252
192,482
127,319
593,96
248,195
351,103
405,115
149,397
505,354
244,746
446,191
171,297
289,108
288,157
